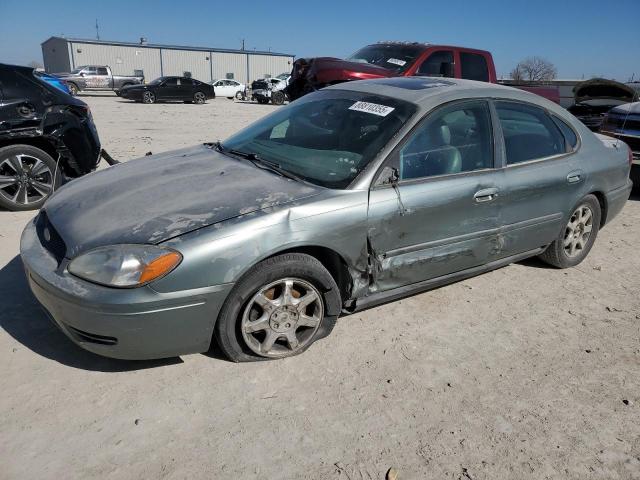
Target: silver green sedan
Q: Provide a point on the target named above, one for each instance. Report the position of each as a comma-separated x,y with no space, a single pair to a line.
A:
352,196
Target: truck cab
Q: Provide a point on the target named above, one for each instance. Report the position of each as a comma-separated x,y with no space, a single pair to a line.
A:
391,59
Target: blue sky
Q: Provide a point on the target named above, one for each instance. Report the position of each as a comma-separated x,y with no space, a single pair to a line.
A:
587,37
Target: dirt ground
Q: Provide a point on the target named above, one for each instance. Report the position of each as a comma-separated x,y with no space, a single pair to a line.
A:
525,372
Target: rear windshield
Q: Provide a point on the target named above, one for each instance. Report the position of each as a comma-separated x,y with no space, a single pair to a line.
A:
326,137
394,57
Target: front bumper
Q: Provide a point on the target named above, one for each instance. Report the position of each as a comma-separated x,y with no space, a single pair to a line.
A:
132,324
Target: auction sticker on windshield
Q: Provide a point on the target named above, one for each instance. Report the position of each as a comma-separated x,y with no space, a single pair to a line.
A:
396,61
376,109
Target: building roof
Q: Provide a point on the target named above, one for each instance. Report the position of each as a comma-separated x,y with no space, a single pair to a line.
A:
168,47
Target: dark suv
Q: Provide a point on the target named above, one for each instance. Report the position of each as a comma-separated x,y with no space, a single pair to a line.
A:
45,135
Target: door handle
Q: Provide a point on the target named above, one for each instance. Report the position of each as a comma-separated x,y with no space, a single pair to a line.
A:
486,195
574,177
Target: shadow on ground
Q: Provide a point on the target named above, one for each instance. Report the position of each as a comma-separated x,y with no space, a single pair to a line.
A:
23,318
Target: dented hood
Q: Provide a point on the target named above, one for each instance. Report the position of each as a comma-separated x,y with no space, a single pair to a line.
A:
322,63
602,89
158,197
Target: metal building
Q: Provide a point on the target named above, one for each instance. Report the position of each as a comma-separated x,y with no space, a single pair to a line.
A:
153,60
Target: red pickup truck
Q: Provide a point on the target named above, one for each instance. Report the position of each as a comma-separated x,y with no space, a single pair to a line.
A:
392,59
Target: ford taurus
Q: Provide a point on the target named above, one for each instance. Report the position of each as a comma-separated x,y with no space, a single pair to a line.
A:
352,196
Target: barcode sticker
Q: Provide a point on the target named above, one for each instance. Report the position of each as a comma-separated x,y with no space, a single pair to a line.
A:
374,108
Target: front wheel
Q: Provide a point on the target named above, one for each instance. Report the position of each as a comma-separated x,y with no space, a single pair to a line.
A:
73,89
199,98
277,98
27,177
278,309
148,97
577,237
239,95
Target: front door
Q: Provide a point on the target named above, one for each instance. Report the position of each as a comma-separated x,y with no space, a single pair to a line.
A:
441,216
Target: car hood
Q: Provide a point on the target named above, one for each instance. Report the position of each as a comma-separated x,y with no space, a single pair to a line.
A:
603,90
154,198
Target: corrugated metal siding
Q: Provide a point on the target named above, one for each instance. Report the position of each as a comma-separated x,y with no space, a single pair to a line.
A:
55,55
122,60
261,65
176,62
235,63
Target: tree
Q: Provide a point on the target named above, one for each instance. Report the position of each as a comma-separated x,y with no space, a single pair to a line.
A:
34,64
534,69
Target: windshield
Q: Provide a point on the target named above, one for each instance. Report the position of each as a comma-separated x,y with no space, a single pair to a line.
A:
326,137
394,57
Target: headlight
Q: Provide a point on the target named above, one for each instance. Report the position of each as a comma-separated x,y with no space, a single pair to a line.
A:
125,266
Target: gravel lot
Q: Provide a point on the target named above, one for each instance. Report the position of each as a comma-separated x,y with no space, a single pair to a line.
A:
525,372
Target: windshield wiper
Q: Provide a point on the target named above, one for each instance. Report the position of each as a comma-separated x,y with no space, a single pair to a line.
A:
262,163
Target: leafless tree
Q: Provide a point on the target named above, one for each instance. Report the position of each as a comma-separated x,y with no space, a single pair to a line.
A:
34,64
534,69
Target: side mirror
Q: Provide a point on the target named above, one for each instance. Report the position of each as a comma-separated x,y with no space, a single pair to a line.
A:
388,176
82,74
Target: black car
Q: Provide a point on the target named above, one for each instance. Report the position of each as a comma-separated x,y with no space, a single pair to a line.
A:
165,89
46,135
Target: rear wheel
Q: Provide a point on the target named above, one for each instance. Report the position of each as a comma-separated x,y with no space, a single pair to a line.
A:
576,239
278,309
27,177
199,98
148,97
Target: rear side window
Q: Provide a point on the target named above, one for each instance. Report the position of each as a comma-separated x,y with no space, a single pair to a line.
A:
529,133
438,64
474,67
569,135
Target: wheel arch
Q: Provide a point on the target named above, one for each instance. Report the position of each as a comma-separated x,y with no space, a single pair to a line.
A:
37,142
334,262
602,200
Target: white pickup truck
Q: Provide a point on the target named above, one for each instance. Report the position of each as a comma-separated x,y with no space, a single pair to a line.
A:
96,77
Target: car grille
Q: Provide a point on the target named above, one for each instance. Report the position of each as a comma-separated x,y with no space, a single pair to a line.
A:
49,237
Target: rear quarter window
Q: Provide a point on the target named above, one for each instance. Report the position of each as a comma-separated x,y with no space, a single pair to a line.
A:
569,135
474,67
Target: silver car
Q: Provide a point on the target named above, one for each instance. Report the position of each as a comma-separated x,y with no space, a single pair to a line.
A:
352,196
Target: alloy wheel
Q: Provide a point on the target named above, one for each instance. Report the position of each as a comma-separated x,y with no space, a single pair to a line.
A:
198,97
149,97
25,179
282,318
578,231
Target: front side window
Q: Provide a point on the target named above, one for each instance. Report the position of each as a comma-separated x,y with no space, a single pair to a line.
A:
529,133
171,82
89,70
452,140
474,67
438,64
326,137
102,71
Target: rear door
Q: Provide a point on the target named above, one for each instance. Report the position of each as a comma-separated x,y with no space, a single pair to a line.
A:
541,180
442,216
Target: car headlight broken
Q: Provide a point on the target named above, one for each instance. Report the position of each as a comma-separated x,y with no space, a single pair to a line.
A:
125,266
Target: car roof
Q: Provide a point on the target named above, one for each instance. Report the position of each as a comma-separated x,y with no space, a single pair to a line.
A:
429,91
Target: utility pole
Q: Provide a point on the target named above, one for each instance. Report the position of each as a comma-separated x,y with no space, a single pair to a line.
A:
97,30
243,44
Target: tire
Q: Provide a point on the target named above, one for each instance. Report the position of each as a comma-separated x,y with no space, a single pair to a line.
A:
230,98
263,101
239,95
577,237
244,326
73,89
27,177
148,97
277,98
199,98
